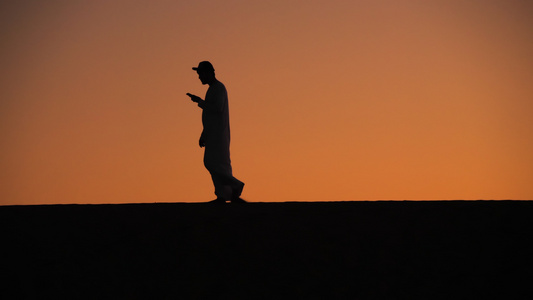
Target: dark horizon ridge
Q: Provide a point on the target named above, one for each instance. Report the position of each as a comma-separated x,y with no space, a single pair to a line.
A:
278,202
288,250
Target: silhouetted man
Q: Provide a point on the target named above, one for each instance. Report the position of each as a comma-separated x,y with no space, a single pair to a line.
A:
216,136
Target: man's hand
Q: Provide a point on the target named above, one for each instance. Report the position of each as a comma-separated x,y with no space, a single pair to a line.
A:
194,98
201,142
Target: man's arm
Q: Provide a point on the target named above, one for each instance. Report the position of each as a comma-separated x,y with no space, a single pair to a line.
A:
215,105
194,98
216,100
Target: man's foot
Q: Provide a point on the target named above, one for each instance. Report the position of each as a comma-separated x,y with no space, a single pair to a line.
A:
218,201
237,192
238,200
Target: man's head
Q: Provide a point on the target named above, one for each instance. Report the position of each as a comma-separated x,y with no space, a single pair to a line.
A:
206,72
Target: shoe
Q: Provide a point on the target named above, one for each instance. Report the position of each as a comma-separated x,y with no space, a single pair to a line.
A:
238,200
238,191
218,201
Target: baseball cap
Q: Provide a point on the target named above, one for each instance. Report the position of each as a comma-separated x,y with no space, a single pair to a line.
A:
204,66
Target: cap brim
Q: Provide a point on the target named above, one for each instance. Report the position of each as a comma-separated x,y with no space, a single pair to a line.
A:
195,68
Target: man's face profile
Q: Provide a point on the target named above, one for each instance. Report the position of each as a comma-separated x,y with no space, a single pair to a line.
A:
202,75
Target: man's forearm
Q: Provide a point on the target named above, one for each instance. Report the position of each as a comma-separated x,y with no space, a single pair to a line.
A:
209,106
201,103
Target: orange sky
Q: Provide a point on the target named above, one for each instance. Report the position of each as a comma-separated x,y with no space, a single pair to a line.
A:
329,100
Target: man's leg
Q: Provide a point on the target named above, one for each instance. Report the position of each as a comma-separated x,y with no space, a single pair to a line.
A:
222,190
227,186
236,187
218,164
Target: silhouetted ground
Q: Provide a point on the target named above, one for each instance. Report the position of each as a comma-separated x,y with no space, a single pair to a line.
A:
326,250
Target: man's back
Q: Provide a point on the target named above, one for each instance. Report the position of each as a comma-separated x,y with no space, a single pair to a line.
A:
215,116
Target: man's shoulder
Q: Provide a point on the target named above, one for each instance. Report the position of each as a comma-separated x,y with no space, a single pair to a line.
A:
218,87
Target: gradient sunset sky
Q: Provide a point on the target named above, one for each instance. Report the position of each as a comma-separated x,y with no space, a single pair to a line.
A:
329,100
